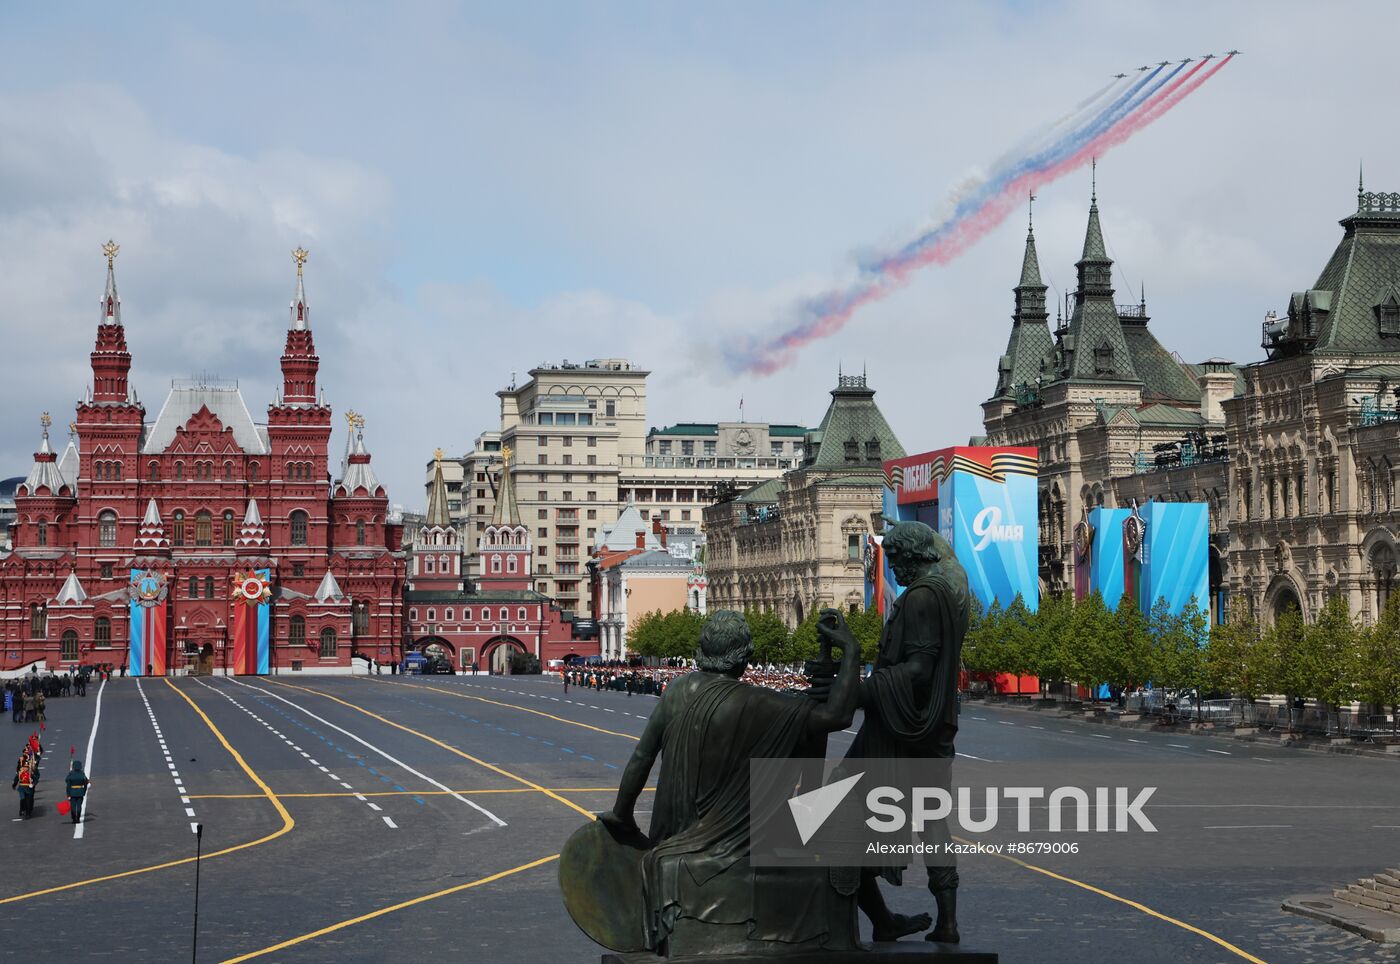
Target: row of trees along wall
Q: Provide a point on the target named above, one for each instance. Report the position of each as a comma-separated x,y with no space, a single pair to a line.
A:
1334,660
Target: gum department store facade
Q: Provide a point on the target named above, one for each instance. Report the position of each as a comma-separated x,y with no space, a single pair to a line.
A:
1295,456
196,495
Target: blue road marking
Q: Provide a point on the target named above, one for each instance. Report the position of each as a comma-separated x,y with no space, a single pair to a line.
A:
398,788
420,801
566,749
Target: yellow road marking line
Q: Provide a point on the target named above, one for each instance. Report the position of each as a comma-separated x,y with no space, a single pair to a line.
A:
451,749
1133,904
312,935
510,706
400,793
287,822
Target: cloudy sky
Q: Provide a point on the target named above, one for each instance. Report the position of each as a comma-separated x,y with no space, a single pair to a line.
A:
485,187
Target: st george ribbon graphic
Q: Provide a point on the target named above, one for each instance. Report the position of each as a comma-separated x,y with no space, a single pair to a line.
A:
252,591
1099,123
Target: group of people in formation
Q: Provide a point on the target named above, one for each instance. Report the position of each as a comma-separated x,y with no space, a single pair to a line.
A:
652,681
75,784
647,682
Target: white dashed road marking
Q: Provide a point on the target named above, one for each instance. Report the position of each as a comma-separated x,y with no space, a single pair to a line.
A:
370,746
160,738
284,739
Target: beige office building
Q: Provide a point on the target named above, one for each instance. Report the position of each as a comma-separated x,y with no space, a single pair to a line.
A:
580,449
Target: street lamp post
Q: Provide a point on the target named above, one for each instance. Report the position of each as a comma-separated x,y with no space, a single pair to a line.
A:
223,643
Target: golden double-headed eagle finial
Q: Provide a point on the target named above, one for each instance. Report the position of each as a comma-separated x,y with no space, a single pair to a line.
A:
299,255
45,420
505,455
438,454
110,249
351,417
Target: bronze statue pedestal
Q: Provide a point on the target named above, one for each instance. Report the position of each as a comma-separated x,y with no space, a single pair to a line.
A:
895,952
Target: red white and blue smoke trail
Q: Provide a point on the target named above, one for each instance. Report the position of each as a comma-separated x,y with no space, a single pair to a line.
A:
1102,121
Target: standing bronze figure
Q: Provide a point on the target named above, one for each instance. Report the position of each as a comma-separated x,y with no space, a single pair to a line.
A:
911,705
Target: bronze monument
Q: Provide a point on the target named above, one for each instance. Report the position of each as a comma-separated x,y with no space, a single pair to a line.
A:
686,889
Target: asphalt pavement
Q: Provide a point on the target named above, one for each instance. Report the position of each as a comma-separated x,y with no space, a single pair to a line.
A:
398,817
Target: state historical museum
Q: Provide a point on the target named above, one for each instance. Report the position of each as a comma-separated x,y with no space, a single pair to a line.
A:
201,531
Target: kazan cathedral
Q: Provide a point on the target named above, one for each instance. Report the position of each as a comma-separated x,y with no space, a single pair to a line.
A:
201,538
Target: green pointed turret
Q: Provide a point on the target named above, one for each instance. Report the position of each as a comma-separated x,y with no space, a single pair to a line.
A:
1030,347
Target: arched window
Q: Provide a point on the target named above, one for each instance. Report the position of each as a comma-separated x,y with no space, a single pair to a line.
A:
177,528
102,632
38,621
432,615
327,643
296,635
359,619
495,563
520,614
298,528
194,587
68,645
117,471
41,532
253,472
510,563
107,529
203,528
228,527
208,587
447,615
359,532
155,471
505,614
179,470
429,564
228,471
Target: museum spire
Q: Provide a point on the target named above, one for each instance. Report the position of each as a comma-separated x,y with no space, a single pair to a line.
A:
299,360
111,362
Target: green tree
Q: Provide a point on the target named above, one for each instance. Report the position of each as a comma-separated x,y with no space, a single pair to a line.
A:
1176,645
1235,659
1130,663
867,624
804,643
681,633
1049,626
770,636
1017,639
1376,664
1328,652
1086,649
645,634
980,644
1281,645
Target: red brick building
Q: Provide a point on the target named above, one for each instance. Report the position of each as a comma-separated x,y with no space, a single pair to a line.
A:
180,505
499,615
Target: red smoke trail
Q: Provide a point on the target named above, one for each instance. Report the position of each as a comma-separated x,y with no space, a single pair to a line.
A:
867,290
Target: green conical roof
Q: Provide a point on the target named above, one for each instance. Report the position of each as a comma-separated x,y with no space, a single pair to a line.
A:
507,511
437,499
853,433
1030,265
1094,249
1030,348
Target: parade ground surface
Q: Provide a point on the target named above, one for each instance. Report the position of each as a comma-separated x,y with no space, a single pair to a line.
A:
401,818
